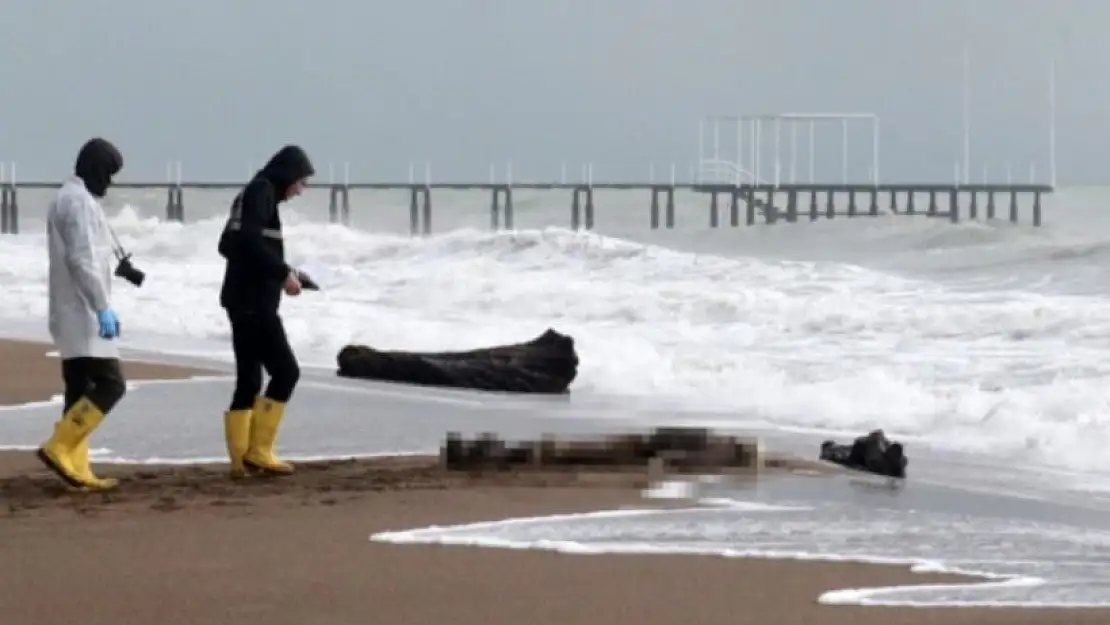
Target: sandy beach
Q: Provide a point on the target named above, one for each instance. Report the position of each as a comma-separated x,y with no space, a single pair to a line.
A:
181,545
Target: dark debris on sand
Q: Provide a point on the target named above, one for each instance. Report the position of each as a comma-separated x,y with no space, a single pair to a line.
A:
171,488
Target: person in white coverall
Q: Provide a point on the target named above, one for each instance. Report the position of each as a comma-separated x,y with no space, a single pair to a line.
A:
82,323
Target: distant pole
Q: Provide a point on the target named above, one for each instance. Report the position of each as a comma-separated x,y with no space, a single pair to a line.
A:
812,148
875,129
758,149
701,145
1052,123
717,138
793,152
753,147
966,91
967,110
844,151
739,148
778,157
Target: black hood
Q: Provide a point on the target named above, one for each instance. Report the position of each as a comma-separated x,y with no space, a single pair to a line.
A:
97,162
289,165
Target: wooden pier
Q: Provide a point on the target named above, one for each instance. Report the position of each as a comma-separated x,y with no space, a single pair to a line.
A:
739,184
750,186
746,204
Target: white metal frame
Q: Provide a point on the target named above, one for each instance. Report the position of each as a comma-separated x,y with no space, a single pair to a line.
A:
713,169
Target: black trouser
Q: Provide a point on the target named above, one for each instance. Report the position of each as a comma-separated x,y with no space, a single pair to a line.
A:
99,379
259,342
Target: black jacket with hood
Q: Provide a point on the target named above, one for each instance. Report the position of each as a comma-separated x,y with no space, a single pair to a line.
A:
97,161
252,238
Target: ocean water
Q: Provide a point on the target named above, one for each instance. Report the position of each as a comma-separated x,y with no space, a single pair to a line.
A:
1019,554
982,344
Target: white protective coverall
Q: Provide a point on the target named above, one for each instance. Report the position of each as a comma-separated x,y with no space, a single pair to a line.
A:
81,258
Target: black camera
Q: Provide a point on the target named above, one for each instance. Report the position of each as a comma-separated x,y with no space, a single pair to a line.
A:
307,283
129,272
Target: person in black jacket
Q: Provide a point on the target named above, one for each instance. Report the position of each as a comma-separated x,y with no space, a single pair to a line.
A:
254,278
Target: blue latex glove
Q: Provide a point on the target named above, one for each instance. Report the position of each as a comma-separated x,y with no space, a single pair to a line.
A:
109,323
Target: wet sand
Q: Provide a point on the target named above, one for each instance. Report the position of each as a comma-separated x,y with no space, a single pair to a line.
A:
183,545
27,374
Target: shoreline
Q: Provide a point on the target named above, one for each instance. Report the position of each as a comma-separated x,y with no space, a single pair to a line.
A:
298,549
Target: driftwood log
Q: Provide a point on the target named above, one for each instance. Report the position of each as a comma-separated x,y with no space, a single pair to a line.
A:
873,453
681,448
546,364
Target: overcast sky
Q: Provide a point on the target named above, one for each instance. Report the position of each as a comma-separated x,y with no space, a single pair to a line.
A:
219,84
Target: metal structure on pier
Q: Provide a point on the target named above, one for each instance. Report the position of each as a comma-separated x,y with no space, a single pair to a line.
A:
749,152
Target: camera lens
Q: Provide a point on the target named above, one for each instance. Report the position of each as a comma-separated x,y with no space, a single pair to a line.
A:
129,272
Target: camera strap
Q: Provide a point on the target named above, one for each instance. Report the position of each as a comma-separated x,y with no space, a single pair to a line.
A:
117,249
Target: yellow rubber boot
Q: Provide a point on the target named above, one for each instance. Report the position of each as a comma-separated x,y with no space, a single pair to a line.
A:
265,420
237,432
84,469
71,433
57,453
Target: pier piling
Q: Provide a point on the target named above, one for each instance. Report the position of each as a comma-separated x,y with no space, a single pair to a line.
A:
339,204
582,204
420,209
175,203
9,209
501,206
